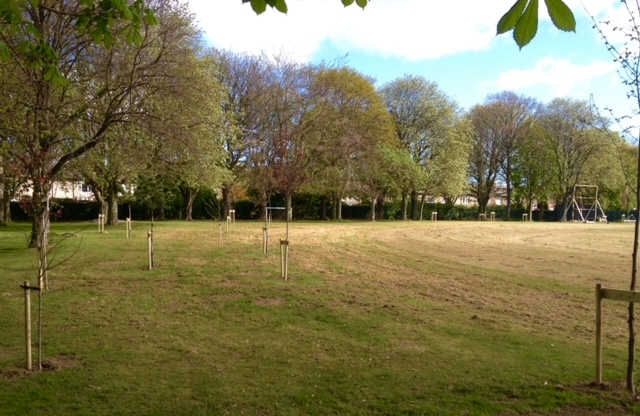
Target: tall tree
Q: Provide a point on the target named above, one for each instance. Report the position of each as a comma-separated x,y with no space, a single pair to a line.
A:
570,132
349,117
98,88
243,79
532,175
486,156
188,145
509,118
425,119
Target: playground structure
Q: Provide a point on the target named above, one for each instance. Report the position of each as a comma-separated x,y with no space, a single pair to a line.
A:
584,206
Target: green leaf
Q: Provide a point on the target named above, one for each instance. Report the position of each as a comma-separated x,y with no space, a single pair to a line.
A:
259,6
561,15
150,17
347,2
5,53
527,25
361,3
281,6
510,18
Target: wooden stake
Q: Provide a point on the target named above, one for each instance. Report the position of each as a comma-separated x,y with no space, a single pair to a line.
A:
265,240
27,323
284,259
150,244
219,234
599,334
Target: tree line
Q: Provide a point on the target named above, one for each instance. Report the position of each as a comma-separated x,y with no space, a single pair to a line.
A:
163,116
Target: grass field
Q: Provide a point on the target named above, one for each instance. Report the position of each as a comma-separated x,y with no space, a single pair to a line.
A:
446,318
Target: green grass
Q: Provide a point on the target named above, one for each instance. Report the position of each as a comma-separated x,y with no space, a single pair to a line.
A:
364,326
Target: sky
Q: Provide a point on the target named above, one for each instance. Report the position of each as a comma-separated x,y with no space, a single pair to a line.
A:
451,43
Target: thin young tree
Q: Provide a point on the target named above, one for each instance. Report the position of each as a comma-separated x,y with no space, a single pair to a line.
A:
624,49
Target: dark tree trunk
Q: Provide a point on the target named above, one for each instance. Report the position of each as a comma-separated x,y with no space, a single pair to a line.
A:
112,205
5,210
334,206
323,208
415,206
380,207
192,193
508,211
339,204
226,200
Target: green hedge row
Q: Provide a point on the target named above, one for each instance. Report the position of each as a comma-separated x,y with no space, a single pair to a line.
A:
305,207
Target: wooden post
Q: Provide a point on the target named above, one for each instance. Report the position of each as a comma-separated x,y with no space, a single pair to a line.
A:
128,225
100,223
599,334
27,323
493,216
228,222
232,213
434,216
623,217
480,217
284,259
150,244
219,234
525,217
265,240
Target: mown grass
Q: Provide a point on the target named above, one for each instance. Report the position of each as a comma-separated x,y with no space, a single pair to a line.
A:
374,320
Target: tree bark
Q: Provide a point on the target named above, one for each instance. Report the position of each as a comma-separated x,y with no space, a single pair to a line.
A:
415,207
112,205
192,193
632,311
373,208
323,209
404,206
334,206
289,213
422,199
226,200
380,205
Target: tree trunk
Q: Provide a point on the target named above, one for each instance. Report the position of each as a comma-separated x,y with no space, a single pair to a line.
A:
422,199
415,207
632,311
380,205
3,198
288,209
226,200
192,193
482,204
339,203
334,206
404,206
112,205
509,191
323,208
373,208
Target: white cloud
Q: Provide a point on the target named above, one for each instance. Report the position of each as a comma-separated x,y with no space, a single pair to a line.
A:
560,77
408,29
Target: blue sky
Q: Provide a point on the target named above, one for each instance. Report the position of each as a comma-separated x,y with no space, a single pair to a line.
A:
450,43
